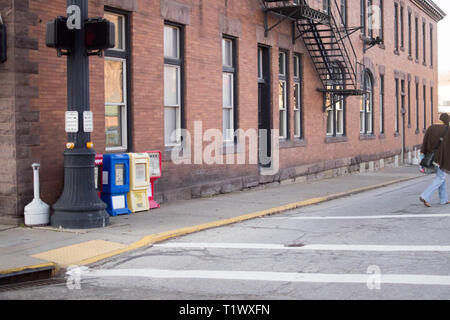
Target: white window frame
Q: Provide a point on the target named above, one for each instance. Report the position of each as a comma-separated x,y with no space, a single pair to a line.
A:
230,53
123,108
228,71
283,82
228,133
124,105
366,110
336,110
123,31
178,41
177,106
339,117
283,110
260,64
298,99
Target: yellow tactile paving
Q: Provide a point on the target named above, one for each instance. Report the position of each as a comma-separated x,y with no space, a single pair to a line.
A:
73,255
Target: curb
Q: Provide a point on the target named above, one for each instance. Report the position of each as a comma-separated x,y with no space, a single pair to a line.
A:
51,269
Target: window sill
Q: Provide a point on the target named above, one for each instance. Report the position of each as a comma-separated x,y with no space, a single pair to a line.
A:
397,134
336,139
417,131
116,150
396,52
410,58
367,136
382,136
286,144
402,49
382,46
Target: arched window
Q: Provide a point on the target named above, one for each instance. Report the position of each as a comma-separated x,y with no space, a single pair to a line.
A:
334,102
366,110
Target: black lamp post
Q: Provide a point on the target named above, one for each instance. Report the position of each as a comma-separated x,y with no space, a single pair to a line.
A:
79,206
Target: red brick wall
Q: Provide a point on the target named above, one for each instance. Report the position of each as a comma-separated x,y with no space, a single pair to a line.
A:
205,23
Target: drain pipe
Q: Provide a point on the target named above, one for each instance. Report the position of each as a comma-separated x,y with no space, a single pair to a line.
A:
37,213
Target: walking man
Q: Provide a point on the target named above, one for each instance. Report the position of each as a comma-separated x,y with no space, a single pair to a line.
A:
441,162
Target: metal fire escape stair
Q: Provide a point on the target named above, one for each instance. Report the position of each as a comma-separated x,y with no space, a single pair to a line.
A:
326,39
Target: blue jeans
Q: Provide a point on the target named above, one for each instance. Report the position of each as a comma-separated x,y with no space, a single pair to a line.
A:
438,183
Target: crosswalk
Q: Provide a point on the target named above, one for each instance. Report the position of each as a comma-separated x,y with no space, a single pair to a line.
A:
316,252
371,276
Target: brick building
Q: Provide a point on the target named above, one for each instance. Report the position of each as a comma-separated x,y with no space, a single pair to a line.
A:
313,71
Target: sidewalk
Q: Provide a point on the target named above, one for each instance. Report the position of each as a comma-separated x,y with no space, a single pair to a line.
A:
28,250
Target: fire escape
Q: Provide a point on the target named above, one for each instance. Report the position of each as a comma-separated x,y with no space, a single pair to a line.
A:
327,38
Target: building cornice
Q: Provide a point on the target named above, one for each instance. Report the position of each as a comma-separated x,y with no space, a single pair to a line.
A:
430,8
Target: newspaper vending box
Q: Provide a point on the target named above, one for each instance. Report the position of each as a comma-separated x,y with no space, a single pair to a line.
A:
139,182
155,174
116,183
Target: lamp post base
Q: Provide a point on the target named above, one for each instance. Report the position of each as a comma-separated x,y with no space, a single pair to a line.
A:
80,220
79,206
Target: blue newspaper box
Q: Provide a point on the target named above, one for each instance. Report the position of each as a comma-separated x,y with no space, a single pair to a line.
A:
116,183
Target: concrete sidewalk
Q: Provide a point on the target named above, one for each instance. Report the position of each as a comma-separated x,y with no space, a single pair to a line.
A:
28,250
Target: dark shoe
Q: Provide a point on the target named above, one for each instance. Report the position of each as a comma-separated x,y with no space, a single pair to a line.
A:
425,202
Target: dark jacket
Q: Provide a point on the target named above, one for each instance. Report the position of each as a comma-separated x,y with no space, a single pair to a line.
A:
431,141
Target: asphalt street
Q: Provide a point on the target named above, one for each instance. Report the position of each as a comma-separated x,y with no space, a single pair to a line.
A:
381,244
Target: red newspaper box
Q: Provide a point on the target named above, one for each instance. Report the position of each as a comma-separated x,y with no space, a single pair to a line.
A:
99,174
155,174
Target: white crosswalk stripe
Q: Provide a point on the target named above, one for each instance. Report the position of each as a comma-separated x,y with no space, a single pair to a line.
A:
402,216
310,247
369,279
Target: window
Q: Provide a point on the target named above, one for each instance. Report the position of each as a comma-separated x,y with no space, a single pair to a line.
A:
431,46
382,20
424,107
172,85
283,94
229,96
402,94
402,31
381,103
370,16
431,104
397,102
409,103
363,16
260,64
298,75
424,44
116,86
396,27
366,110
326,6
417,107
343,11
335,104
409,35
417,37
